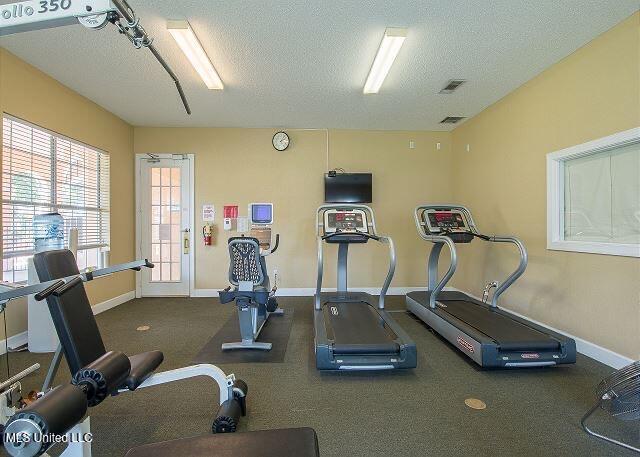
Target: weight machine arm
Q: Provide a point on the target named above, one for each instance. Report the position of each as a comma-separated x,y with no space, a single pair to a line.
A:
32,15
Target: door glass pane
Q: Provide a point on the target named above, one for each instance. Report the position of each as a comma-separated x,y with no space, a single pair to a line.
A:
166,200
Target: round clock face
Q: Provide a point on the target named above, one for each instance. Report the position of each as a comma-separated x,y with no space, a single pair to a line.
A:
281,141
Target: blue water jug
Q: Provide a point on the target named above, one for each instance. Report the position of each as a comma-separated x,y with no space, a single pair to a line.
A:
48,232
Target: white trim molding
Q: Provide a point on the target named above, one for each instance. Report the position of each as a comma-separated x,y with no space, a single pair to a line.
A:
113,302
13,342
22,339
555,195
310,291
584,347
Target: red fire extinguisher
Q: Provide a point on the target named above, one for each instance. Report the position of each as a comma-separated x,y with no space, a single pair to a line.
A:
207,235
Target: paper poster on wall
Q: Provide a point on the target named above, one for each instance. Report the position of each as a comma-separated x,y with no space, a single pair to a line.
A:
208,212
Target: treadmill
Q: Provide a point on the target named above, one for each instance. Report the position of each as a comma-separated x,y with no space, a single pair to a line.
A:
351,332
489,335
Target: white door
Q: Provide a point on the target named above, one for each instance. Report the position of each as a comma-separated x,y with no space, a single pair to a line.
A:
164,223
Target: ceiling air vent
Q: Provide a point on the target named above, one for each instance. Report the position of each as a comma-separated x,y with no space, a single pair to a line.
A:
452,85
452,119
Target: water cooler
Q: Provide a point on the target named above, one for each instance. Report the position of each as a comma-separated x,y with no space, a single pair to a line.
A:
48,232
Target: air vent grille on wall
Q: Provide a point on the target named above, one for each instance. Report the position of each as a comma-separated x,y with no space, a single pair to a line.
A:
452,119
452,85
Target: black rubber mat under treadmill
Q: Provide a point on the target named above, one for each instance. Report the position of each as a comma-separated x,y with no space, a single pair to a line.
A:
275,331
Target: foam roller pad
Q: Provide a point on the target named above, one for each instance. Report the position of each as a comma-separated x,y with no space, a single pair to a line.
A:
57,412
104,376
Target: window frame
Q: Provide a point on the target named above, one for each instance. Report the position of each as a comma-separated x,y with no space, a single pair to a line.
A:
102,248
556,195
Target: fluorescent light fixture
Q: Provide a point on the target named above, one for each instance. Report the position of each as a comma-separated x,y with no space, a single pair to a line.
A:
190,45
387,53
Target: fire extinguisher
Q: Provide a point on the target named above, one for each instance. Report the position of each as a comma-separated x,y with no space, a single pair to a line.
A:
207,235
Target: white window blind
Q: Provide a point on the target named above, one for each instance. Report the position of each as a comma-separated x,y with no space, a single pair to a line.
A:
44,172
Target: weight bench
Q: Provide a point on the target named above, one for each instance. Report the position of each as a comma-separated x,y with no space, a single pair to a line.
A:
61,411
82,344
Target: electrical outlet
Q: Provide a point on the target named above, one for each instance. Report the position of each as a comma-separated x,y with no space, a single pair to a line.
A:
468,148
438,146
412,144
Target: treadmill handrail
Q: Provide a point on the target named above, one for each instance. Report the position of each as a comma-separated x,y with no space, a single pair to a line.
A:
317,304
392,268
519,271
433,266
439,240
393,261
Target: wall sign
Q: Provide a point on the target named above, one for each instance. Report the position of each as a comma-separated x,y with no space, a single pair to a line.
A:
208,212
230,211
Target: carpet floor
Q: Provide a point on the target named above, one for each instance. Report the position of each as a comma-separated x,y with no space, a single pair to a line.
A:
421,412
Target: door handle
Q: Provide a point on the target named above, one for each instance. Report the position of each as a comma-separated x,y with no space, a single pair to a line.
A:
186,241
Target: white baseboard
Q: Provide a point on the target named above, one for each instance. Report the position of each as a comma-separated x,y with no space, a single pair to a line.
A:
310,291
587,348
113,302
584,347
197,293
22,338
13,342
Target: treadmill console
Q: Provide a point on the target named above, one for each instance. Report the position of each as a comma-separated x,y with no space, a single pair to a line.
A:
451,222
346,225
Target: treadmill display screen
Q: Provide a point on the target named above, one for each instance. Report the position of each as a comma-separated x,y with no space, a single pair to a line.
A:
451,220
345,221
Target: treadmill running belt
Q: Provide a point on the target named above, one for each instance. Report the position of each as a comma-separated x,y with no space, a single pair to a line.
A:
509,334
356,328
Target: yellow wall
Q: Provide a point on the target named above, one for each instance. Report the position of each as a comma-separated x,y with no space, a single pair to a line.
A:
592,93
27,93
237,166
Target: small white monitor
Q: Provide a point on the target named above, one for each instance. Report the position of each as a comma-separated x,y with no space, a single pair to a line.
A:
261,213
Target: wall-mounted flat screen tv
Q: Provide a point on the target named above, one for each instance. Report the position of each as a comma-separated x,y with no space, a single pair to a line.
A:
348,188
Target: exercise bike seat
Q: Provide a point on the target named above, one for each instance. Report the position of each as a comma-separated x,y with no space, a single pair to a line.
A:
259,294
142,366
298,442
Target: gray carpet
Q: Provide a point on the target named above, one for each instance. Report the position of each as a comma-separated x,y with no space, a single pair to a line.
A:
412,413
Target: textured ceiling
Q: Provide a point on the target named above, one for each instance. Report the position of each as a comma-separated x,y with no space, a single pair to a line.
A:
303,63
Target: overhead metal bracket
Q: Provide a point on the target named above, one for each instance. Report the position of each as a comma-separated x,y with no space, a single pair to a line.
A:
32,15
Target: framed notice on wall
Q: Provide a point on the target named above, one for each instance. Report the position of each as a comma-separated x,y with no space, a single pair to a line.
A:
208,212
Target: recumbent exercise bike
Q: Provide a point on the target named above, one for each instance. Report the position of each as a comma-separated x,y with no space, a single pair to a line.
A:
251,290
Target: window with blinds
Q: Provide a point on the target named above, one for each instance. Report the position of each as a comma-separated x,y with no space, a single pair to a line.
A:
43,172
593,196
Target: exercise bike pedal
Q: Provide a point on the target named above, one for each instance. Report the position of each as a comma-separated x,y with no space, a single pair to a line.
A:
272,304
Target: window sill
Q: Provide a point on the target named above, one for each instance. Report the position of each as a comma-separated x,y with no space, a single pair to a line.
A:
624,250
